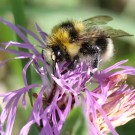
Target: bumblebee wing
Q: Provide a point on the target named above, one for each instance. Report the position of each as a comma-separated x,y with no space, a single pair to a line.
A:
114,33
102,31
98,20
92,32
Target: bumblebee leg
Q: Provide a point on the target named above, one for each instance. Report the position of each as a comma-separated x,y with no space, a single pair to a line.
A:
42,54
95,61
95,64
72,64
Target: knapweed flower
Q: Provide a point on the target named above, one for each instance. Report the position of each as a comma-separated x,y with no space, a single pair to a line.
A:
108,105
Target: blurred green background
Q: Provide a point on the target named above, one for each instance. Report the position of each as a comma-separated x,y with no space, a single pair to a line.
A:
47,13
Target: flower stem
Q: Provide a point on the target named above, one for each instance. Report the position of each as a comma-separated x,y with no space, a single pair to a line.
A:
20,19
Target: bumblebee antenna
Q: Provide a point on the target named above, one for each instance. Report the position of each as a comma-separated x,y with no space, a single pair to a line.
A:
42,54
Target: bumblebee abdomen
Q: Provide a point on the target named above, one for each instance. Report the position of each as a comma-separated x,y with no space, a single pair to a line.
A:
102,43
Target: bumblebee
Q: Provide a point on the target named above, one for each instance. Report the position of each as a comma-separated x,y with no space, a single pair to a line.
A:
88,41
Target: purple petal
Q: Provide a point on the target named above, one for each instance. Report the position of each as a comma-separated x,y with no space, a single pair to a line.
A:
42,34
38,106
18,53
11,117
68,107
24,72
24,100
5,61
114,66
9,112
5,112
32,34
14,28
47,128
21,45
113,131
26,128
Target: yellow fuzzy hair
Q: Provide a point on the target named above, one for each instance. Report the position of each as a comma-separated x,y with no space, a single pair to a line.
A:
60,36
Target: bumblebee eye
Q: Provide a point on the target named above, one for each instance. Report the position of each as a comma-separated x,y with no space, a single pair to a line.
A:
102,44
57,53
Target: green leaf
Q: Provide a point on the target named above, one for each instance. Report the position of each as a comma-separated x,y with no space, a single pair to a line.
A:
75,123
34,130
20,19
